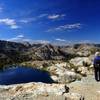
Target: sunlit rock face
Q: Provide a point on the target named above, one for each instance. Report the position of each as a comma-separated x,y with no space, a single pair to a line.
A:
31,90
81,61
82,65
37,91
60,73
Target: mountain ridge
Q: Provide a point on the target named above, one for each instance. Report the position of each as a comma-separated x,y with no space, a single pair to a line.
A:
12,52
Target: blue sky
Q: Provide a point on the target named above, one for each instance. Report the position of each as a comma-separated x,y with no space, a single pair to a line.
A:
54,21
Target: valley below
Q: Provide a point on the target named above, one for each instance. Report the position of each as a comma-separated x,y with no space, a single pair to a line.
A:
70,67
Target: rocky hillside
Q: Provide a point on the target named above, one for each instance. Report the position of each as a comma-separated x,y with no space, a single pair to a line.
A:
13,53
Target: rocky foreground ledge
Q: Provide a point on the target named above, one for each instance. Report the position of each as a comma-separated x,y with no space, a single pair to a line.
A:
86,89
37,91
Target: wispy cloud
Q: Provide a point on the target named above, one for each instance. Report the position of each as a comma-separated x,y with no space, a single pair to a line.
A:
32,19
84,41
41,41
24,21
28,20
59,41
17,38
56,16
42,16
21,38
62,40
65,27
9,22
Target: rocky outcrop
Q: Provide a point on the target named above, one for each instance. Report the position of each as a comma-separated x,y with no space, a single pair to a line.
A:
81,61
60,73
37,91
31,89
81,65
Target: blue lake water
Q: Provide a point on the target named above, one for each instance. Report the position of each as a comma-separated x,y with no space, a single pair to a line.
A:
19,75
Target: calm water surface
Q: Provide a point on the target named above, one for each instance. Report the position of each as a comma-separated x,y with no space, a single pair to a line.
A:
23,75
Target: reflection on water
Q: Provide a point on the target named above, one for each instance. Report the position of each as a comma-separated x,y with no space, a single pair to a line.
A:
23,75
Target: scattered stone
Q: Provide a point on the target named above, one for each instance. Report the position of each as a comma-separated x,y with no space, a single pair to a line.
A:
73,96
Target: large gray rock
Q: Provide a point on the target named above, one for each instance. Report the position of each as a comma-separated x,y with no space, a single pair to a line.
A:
73,96
82,65
61,74
81,61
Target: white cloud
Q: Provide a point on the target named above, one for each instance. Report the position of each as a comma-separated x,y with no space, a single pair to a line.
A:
41,16
53,16
62,40
56,16
21,38
14,27
24,21
17,38
27,20
9,22
41,41
31,19
65,27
